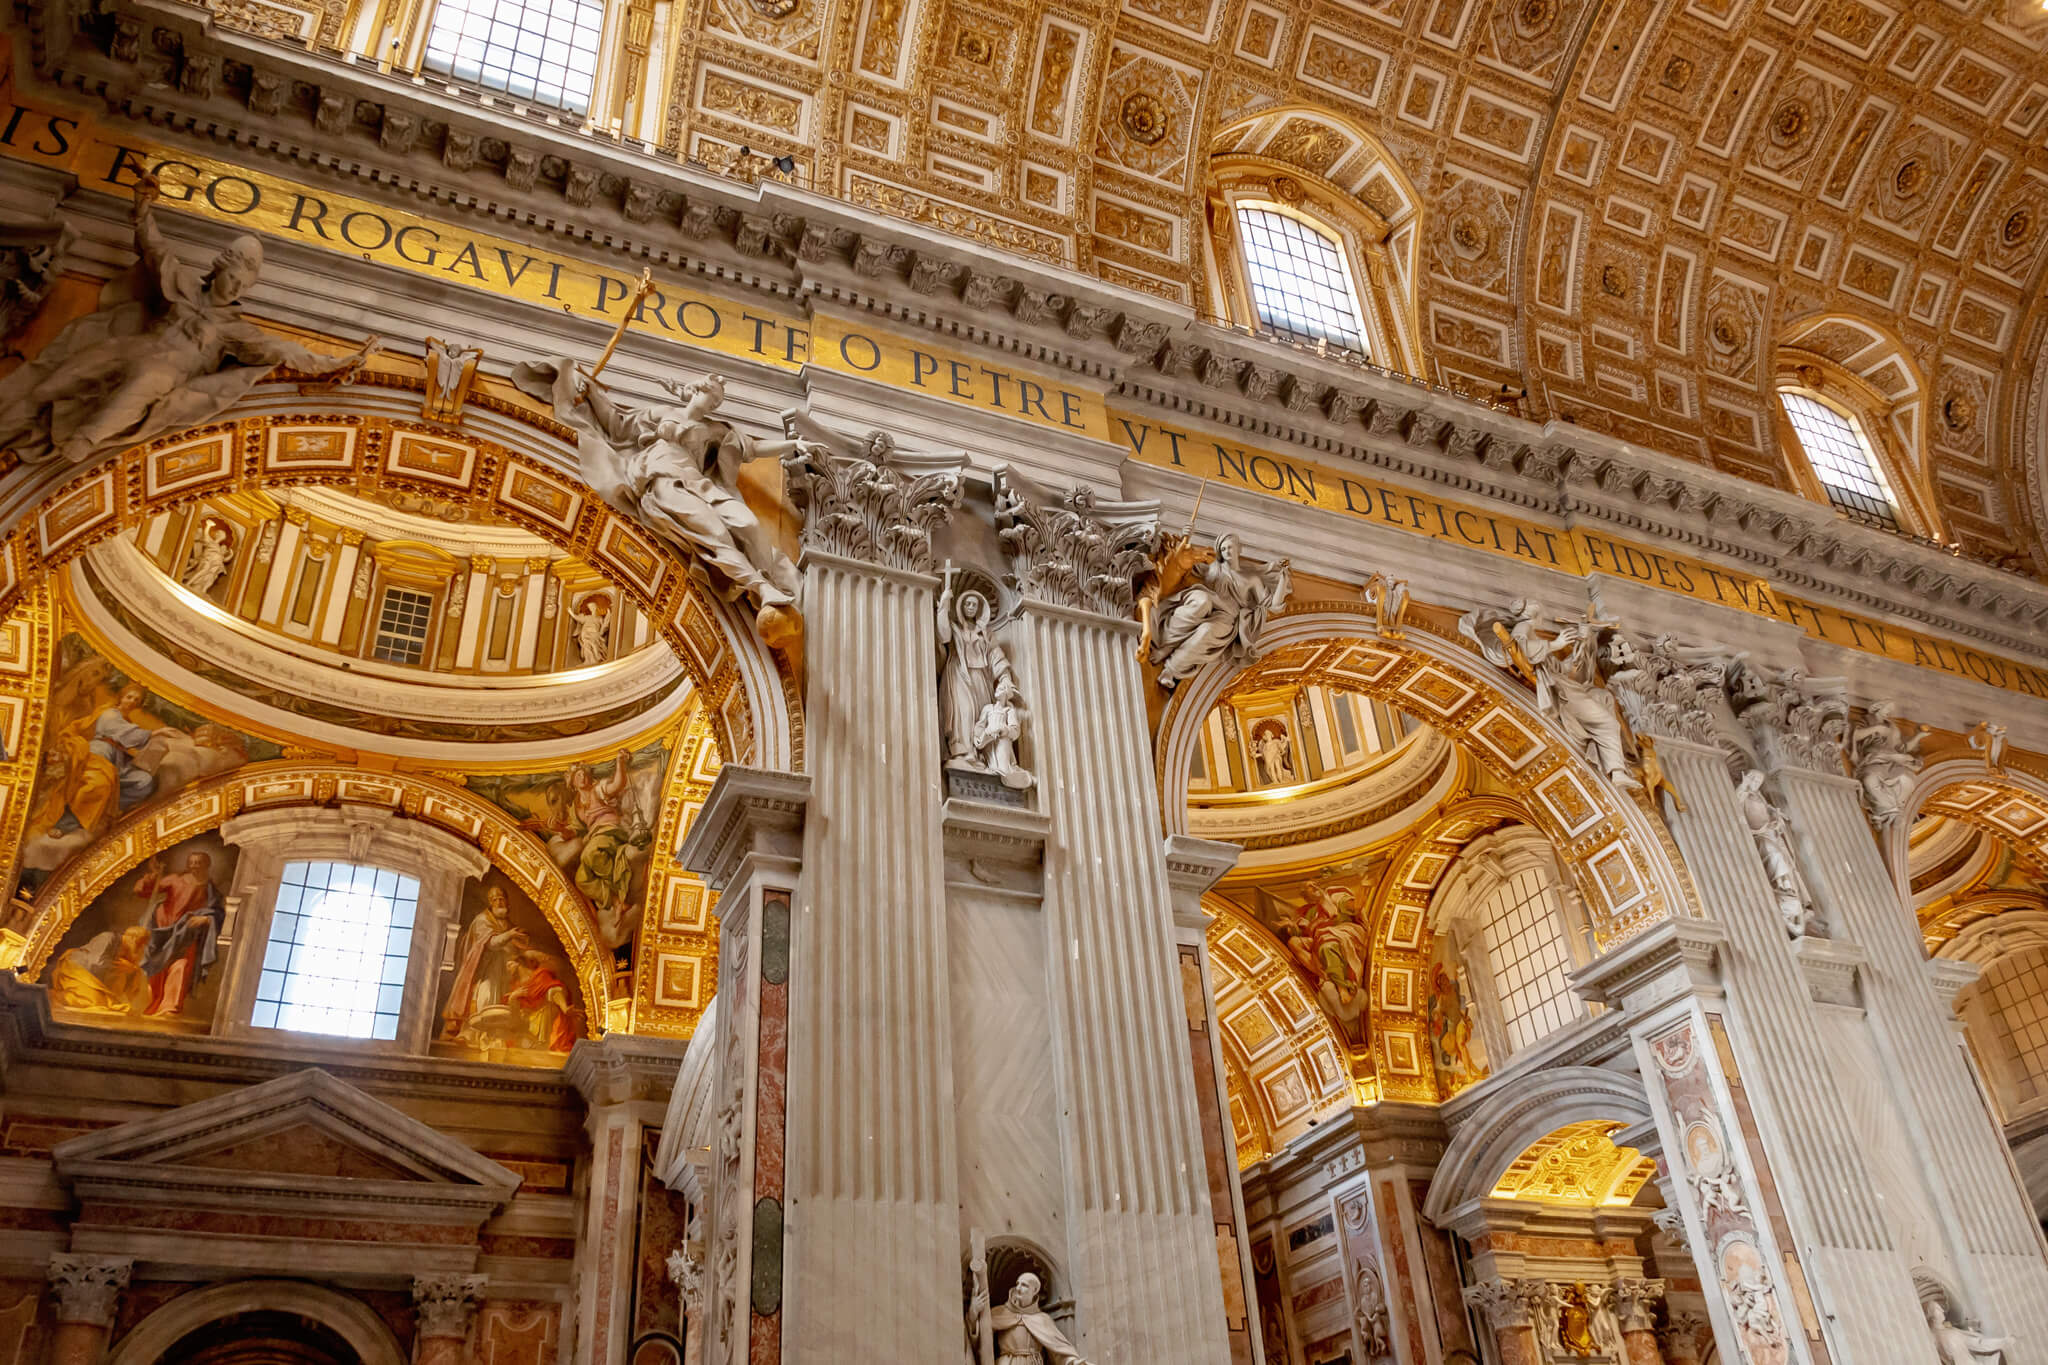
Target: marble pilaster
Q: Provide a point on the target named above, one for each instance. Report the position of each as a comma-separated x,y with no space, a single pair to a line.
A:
444,1307
85,1292
625,1082
1139,1221
1954,1205
747,844
1192,867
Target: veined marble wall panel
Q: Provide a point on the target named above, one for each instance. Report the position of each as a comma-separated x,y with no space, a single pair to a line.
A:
1004,1091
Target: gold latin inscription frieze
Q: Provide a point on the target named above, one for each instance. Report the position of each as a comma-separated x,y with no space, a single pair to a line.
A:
1575,551
258,201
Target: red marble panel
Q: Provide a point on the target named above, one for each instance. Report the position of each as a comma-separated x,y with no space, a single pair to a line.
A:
608,1241
517,1332
273,1225
1401,1284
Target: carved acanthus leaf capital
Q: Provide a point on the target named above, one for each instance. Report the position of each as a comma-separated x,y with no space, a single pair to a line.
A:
1070,554
870,508
88,1288
1797,721
1508,1303
1635,1303
446,1303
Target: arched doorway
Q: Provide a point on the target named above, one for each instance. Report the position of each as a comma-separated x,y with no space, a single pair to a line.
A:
235,1323
261,1338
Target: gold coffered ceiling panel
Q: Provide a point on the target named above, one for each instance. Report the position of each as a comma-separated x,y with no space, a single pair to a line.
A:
1625,206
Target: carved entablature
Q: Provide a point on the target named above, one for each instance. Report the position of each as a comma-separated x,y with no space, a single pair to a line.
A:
880,507
1079,552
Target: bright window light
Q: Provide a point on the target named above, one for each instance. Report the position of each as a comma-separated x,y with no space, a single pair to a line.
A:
1298,282
1842,460
544,51
339,939
1527,951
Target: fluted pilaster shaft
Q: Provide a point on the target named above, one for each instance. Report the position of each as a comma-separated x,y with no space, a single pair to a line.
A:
872,1173
1138,1211
1979,1206
1823,1190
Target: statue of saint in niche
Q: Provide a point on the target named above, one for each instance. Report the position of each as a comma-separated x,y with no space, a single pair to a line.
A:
168,348
978,699
1025,1333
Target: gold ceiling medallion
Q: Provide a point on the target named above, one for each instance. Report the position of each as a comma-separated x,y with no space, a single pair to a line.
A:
1144,117
2018,228
1286,189
1614,281
775,9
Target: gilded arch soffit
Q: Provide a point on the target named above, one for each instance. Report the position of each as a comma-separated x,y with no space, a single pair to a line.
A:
1577,1166
331,442
283,784
1284,1065
1609,844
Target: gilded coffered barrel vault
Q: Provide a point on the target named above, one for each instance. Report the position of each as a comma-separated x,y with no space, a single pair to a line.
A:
706,681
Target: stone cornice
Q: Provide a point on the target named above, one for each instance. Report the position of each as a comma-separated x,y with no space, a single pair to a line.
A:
30,1037
750,811
167,65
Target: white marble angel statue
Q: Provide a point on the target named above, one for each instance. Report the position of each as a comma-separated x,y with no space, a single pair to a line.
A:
674,468
1885,761
213,549
167,348
1222,611
1570,672
1958,1345
1025,1333
995,737
1772,834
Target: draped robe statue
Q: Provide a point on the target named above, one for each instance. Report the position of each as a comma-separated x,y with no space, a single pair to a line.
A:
674,469
167,349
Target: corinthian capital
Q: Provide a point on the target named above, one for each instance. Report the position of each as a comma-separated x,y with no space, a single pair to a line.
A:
1077,553
1635,1303
1797,721
88,1288
879,506
1507,1303
446,1303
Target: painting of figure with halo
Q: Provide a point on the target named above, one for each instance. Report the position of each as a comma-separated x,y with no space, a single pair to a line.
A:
115,746
508,992
146,953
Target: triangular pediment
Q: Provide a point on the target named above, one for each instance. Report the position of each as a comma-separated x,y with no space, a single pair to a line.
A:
308,1141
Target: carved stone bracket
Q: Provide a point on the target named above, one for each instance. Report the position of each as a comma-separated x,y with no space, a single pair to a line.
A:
881,508
1080,552
88,1288
446,1303
1797,721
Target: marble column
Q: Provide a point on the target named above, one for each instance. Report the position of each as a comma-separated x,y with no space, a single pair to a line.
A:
1635,1312
1143,1268
1766,1078
1942,1156
746,845
86,1293
625,1083
1507,1306
1192,867
444,1306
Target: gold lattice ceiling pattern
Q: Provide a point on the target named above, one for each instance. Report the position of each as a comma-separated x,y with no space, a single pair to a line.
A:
1626,204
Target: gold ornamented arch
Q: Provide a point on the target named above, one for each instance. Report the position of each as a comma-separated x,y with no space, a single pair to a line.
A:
354,445
283,783
1609,845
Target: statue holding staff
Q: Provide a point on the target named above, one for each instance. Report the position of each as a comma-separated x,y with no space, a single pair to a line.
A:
168,348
